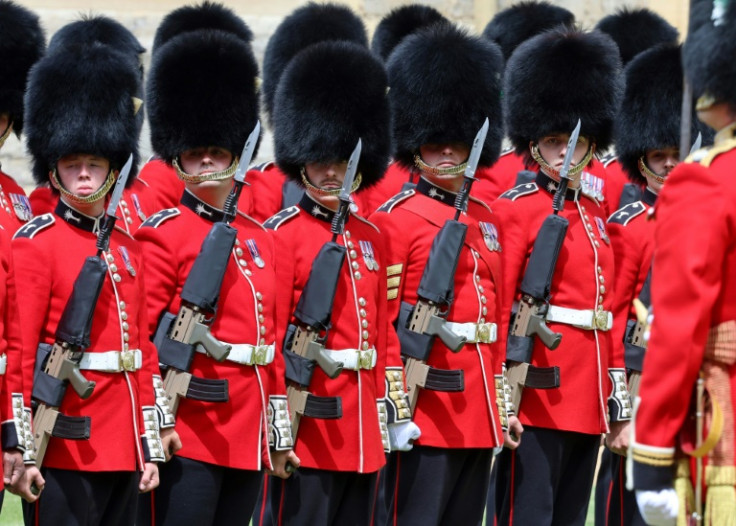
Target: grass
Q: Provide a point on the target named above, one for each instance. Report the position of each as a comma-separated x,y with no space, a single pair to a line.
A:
11,514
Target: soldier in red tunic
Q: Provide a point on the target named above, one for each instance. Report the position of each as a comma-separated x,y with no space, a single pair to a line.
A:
693,286
80,127
331,95
647,134
460,410
573,393
22,44
228,441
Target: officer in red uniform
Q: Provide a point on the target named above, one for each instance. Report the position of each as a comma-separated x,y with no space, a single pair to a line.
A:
552,80
134,206
331,95
445,477
80,129
647,134
216,476
22,44
692,301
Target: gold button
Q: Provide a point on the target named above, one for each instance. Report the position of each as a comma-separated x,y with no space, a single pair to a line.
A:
363,313
259,296
242,262
361,302
263,330
477,278
261,319
355,265
124,315
353,254
603,289
262,341
484,310
126,326
260,307
126,336
237,242
357,275
480,288
114,267
117,278
122,304
347,234
366,334
129,220
238,251
596,244
364,324
351,245
110,259
601,279
483,300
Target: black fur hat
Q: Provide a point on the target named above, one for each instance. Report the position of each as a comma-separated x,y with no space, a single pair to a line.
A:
558,77
444,83
201,91
329,96
636,30
400,23
207,15
79,101
520,22
22,43
305,26
708,59
650,110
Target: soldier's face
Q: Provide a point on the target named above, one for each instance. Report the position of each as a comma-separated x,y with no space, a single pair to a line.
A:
82,174
661,162
553,148
205,160
444,155
326,176
4,123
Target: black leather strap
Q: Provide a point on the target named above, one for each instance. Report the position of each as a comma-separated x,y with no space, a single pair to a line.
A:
207,390
447,380
324,407
542,377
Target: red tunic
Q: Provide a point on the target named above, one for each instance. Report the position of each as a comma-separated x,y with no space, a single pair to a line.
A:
359,321
583,280
49,253
162,182
232,433
693,287
410,222
15,208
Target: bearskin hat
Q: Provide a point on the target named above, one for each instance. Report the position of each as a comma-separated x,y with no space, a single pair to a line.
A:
329,96
521,21
636,30
650,112
207,15
444,83
215,106
708,59
305,26
79,101
22,43
558,77
400,23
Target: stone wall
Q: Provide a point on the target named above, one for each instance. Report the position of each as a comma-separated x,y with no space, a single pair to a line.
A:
143,16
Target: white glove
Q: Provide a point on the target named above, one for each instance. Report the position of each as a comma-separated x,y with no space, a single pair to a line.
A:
402,435
658,508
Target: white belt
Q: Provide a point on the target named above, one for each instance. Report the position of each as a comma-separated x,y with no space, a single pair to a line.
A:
588,319
247,354
112,361
475,332
354,359
3,363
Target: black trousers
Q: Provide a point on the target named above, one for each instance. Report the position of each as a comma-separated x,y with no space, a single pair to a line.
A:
80,498
315,496
439,486
200,494
614,504
547,480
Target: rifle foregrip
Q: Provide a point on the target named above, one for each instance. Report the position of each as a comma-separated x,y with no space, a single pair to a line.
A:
70,371
437,327
550,339
331,368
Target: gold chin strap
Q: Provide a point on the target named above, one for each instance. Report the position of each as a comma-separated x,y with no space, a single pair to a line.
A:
91,198
431,170
214,176
574,170
328,193
647,171
704,102
6,134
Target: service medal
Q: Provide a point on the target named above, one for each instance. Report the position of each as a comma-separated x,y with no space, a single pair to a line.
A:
138,208
490,236
126,259
22,207
254,253
602,230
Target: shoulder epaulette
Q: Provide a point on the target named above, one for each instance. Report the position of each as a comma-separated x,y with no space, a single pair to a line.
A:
479,202
364,220
278,219
608,159
249,218
705,156
35,225
519,191
159,217
261,167
624,215
395,200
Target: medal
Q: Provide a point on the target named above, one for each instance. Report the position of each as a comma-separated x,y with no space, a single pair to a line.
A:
602,230
366,247
592,185
138,209
254,253
22,207
126,259
490,236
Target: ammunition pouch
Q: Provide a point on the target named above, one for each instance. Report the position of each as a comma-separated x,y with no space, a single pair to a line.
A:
207,390
172,353
633,353
72,427
542,377
446,380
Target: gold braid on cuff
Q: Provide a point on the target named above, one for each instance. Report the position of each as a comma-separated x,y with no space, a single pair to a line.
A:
648,172
214,176
572,172
430,170
6,134
91,198
328,193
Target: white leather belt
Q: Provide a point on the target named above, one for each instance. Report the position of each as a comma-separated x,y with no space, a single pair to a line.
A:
112,361
354,359
3,363
588,319
475,332
247,354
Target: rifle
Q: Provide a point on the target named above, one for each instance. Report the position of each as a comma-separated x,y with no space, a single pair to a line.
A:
61,366
178,336
529,320
420,324
305,339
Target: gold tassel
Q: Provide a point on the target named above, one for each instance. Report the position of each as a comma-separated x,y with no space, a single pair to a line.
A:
720,500
684,490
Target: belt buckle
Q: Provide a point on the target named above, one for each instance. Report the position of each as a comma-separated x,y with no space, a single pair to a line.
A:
601,320
483,333
365,360
127,361
260,353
